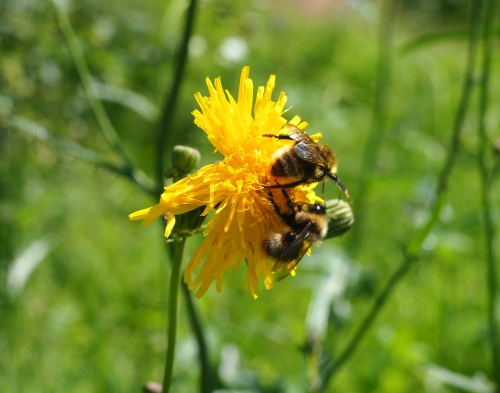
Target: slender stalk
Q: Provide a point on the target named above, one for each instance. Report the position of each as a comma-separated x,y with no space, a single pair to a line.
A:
138,177
378,124
173,306
369,318
166,121
87,82
412,251
165,126
411,255
197,328
82,153
489,227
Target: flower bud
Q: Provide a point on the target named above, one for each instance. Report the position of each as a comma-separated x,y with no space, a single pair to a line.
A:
185,159
191,220
340,217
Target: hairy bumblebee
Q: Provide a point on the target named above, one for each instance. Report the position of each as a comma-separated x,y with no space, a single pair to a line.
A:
304,162
309,226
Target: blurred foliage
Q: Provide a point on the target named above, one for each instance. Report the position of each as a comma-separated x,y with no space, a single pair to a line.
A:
87,313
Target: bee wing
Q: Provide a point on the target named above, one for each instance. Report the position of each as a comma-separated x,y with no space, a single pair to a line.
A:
285,263
297,134
283,269
307,152
305,148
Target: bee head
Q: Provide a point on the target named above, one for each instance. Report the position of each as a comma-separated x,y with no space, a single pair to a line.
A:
329,159
316,209
325,163
320,172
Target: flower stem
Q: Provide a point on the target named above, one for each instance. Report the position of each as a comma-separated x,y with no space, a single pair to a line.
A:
206,380
378,126
82,153
88,84
89,87
489,227
206,383
173,305
171,100
412,251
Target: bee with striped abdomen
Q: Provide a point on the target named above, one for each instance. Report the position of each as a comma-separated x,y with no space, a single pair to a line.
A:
303,162
308,226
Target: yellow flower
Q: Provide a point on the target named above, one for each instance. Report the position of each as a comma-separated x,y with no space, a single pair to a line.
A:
233,188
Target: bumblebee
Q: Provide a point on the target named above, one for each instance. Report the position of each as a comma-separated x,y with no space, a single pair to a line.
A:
308,226
303,162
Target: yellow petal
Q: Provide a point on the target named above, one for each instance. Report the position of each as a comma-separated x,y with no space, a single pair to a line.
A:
170,224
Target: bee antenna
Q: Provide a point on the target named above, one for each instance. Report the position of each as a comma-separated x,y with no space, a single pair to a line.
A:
335,178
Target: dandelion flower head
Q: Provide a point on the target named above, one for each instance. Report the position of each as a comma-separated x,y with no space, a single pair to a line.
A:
233,188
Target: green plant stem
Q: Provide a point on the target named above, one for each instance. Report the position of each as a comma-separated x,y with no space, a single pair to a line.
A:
377,132
489,227
380,300
433,38
82,153
206,385
87,82
168,112
197,328
194,320
412,251
173,306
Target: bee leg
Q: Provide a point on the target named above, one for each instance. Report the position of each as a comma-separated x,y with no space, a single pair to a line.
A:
280,136
289,202
289,216
290,185
275,206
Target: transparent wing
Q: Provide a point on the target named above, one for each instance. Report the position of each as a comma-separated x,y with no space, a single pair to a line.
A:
283,269
290,258
308,152
297,134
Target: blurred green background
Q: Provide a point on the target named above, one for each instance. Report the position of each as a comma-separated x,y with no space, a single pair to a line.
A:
83,290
